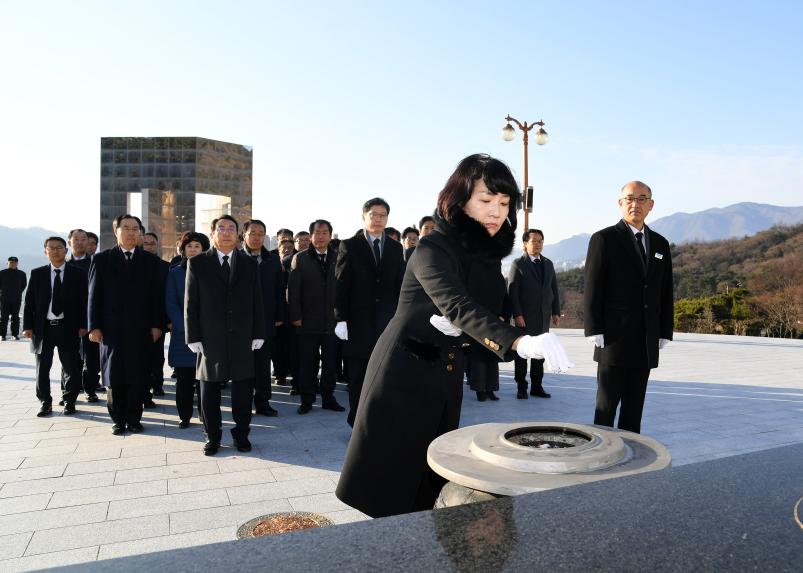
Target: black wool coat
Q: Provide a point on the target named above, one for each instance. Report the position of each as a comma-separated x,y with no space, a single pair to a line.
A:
225,316
632,306
37,303
534,300
12,283
126,300
366,296
413,386
311,292
273,290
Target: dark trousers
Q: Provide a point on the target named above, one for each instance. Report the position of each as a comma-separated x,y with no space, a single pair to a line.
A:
186,387
355,370
483,375
242,394
124,403
90,352
55,337
262,389
626,385
157,364
10,309
309,345
536,373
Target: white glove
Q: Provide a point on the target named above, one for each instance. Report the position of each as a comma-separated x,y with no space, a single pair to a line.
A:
662,342
196,347
598,339
342,330
442,323
257,343
548,347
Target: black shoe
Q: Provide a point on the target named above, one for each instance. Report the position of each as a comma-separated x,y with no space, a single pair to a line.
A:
16,338
224,385
69,409
158,392
492,396
281,381
118,429
481,396
332,405
522,395
92,398
305,408
267,411
294,392
150,404
173,374
61,402
135,428
242,444
184,424
45,410
211,448
539,392
101,389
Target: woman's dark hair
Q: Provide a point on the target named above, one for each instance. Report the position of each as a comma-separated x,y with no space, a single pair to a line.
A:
189,237
458,188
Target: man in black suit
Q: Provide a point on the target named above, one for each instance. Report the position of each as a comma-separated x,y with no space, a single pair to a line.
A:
126,316
12,283
409,241
285,355
155,378
91,243
369,273
533,291
311,297
224,323
628,307
55,317
273,297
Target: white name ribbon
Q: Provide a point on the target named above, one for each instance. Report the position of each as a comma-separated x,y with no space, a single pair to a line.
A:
659,256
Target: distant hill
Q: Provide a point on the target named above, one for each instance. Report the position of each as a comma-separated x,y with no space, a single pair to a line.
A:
738,220
26,245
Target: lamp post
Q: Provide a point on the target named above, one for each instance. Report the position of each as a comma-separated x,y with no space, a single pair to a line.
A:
541,137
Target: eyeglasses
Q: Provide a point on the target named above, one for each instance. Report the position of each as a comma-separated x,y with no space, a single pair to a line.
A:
379,216
641,199
51,249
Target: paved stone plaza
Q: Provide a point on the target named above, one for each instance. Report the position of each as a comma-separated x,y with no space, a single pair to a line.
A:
72,492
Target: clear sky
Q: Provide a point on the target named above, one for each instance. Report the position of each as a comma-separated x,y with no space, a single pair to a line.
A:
343,101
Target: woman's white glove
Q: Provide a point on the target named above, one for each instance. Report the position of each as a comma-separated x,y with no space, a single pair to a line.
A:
196,347
548,347
342,330
442,323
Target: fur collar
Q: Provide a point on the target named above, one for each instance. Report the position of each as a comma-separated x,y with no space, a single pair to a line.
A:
474,238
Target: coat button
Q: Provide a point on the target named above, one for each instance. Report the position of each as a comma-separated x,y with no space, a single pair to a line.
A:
645,306
449,367
451,355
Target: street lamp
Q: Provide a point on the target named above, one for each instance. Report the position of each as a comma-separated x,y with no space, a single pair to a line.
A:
541,137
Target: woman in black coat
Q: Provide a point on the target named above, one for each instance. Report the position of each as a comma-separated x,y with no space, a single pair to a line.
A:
413,385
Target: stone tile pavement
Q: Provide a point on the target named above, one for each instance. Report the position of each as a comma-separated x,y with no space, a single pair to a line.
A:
71,492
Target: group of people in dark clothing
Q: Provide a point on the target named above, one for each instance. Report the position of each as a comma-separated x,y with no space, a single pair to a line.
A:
400,316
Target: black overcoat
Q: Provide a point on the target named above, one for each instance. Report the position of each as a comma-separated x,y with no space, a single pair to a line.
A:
530,298
224,316
414,382
311,292
632,306
126,300
272,284
366,295
12,283
37,303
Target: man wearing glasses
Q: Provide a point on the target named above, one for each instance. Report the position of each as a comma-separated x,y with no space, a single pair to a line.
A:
224,323
126,316
55,317
368,276
628,307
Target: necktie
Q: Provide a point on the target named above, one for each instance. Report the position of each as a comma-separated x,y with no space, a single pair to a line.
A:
322,258
226,267
377,254
256,258
57,303
642,250
128,256
539,270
